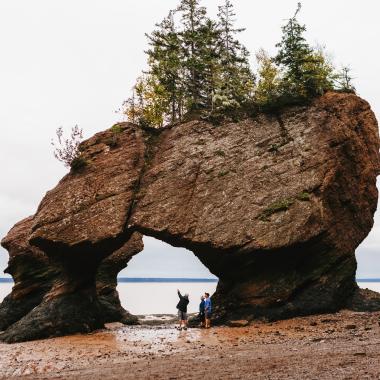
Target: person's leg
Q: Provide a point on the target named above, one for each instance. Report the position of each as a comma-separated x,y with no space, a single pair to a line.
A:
180,320
208,320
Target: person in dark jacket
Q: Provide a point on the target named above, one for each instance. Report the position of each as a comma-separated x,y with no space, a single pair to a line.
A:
182,310
201,315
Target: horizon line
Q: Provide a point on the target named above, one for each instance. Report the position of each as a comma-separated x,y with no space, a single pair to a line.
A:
147,279
179,279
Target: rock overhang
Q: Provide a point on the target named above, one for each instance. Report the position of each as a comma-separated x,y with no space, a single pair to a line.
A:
264,202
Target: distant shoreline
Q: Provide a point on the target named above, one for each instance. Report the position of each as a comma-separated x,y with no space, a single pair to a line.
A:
176,280
162,279
145,279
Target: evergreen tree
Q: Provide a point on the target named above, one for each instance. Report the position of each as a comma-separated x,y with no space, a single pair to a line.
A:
211,64
306,73
237,79
193,20
202,67
165,61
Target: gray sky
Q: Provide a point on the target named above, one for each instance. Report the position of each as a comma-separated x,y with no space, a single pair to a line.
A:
73,62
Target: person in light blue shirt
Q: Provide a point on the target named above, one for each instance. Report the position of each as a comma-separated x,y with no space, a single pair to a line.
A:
208,311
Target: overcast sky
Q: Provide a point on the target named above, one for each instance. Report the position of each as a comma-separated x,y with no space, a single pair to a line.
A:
67,62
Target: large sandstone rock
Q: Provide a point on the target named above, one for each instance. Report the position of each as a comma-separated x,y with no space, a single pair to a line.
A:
32,275
35,276
77,225
106,281
274,205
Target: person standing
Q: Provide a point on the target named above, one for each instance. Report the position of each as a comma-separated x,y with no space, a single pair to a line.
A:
202,311
208,310
182,310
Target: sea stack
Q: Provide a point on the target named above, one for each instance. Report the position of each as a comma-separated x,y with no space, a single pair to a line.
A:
274,205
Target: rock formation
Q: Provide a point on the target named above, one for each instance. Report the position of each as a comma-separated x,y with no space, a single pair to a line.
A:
106,281
274,205
34,277
31,273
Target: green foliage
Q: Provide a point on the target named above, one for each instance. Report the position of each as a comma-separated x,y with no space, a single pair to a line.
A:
282,205
78,164
305,72
198,68
165,58
148,103
67,150
304,196
236,80
192,34
117,128
297,73
220,153
268,86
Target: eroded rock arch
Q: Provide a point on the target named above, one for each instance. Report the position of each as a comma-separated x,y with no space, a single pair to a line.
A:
274,206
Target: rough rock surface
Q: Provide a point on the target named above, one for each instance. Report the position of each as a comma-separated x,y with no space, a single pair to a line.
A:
274,205
106,281
34,277
31,273
85,215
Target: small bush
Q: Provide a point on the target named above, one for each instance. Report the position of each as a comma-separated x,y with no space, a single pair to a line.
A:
67,150
78,163
117,128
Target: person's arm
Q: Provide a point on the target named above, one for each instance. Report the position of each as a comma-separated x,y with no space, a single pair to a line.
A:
179,294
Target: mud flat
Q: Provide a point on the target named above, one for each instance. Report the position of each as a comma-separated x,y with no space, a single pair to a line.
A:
345,345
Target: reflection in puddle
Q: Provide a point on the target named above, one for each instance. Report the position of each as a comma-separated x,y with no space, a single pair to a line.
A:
158,334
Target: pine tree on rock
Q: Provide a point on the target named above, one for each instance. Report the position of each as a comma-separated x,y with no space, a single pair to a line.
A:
165,63
211,63
238,80
305,72
193,20
200,68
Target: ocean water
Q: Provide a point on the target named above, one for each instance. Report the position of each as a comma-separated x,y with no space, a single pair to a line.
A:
151,297
5,289
161,297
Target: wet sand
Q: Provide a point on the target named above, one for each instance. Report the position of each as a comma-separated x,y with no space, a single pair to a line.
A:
335,346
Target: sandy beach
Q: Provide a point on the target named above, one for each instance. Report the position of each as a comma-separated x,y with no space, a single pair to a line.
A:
334,346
